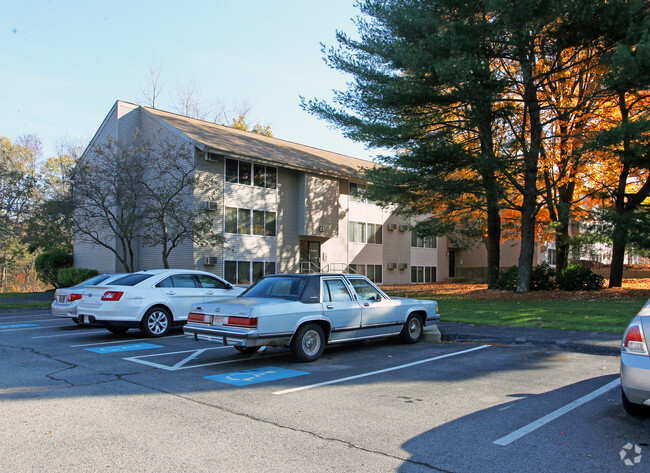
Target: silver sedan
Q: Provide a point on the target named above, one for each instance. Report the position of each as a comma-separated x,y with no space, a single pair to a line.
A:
635,365
307,312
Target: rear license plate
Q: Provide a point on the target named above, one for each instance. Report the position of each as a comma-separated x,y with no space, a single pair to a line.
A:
219,320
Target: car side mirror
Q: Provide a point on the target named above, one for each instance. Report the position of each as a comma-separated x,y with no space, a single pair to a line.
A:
229,286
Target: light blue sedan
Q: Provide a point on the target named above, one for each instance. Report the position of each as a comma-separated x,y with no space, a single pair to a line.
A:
635,365
307,312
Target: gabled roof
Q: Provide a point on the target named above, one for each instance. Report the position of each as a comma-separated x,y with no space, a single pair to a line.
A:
220,138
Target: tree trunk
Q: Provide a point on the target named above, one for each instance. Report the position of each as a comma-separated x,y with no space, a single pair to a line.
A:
494,242
618,261
531,164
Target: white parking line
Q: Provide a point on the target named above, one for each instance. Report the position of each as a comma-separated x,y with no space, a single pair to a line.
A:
126,340
386,370
22,316
29,328
517,434
194,353
34,321
76,333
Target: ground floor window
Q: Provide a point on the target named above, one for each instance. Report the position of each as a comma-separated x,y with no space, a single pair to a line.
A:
247,272
423,274
371,271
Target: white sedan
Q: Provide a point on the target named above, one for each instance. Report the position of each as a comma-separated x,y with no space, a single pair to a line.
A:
66,299
153,301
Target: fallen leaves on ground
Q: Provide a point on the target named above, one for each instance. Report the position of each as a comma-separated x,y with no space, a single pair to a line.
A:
632,288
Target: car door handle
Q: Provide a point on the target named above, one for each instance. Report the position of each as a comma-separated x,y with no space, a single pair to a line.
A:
170,293
330,306
366,304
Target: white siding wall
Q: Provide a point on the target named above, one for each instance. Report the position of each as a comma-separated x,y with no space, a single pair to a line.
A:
213,171
288,252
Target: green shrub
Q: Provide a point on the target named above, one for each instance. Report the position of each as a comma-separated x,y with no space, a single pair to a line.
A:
579,278
72,276
48,263
542,279
508,279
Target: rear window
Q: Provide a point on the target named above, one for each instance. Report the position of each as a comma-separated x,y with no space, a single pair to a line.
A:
131,280
277,287
93,281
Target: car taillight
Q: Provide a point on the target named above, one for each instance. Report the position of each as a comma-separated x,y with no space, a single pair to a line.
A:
633,341
112,296
74,297
247,322
200,318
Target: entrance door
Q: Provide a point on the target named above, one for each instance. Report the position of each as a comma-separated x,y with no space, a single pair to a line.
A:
309,256
452,263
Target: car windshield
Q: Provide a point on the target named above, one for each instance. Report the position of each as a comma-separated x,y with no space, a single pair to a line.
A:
131,279
277,287
94,280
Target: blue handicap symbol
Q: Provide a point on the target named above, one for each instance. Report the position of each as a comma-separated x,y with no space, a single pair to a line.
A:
254,376
129,347
2,327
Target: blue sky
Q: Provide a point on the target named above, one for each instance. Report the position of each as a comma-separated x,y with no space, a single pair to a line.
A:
64,63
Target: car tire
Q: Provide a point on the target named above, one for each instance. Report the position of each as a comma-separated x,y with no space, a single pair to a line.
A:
156,322
308,343
247,350
413,329
636,410
117,330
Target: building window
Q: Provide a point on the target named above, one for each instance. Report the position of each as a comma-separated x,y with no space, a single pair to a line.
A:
365,233
374,233
358,192
232,170
245,272
258,222
357,269
243,221
231,220
239,221
423,274
269,227
374,273
423,242
259,175
371,271
552,257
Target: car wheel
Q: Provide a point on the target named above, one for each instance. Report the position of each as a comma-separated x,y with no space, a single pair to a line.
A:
156,322
637,410
413,330
247,350
308,343
117,330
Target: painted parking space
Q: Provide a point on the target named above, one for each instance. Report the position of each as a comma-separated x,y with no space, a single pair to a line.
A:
123,348
10,326
255,376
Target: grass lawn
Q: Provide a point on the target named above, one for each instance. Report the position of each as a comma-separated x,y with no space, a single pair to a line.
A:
24,305
602,315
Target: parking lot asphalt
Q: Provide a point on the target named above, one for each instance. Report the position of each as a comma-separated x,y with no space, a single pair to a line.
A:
81,399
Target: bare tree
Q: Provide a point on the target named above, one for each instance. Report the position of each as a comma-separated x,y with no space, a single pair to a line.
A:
188,102
153,88
171,217
107,198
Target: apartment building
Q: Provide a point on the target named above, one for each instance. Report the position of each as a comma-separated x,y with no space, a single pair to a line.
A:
282,208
